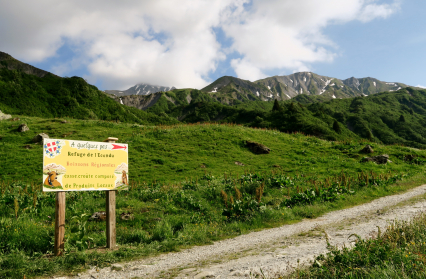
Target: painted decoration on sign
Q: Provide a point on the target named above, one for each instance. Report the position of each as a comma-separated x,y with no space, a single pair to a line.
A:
71,165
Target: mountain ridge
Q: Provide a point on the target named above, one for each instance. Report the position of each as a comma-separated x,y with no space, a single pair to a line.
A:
140,89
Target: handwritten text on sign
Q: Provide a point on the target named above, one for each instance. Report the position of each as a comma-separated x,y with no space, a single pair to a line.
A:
72,165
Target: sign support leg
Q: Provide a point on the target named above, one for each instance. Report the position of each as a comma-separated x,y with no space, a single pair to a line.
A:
110,211
59,223
110,219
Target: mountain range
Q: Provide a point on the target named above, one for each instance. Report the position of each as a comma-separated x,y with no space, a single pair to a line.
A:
303,102
140,89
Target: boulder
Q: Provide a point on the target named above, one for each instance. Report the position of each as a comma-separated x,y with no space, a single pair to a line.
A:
379,159
40,137
409,158
367,149
98,216
23,128
4,116
239,163
127,216
257,148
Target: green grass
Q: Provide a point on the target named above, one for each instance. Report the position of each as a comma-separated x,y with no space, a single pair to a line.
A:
400,252
177,190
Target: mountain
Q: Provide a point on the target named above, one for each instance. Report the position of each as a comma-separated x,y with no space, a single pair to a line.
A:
227,89
287,87
27,90
140,89
10,63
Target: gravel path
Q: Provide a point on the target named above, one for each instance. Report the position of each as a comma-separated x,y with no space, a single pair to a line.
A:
275,251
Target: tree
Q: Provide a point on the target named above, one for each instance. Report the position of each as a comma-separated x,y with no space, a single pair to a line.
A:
336,126
276,106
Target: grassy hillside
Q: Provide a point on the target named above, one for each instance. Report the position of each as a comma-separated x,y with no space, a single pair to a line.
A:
185,188
391,118
53,96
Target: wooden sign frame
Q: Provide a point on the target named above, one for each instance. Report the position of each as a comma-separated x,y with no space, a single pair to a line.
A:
110,217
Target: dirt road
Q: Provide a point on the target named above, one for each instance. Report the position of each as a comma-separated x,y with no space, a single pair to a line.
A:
274,251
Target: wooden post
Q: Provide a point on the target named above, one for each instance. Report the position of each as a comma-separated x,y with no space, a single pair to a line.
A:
59,223
110,212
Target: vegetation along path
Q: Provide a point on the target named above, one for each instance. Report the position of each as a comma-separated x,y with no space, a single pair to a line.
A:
273,252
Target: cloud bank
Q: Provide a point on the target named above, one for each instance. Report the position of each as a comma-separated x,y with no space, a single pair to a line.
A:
173,43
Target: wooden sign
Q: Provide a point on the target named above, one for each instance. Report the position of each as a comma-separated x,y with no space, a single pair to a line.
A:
72,165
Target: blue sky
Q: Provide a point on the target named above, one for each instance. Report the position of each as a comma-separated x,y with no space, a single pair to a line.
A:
190,43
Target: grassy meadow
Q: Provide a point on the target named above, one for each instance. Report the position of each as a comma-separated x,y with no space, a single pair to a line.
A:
185,189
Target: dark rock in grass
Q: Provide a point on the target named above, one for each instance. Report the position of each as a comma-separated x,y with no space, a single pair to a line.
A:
98,216
239,163
379,159
127,216
23,128
64,121
409,157
367,149
40,137
28,146
257,148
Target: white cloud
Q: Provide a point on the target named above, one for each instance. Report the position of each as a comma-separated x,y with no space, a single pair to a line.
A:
372,11
421,86
172,42
277,34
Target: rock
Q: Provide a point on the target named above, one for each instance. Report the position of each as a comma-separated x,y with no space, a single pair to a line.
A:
204,274
40,137
239,163
23,128
64,121
127,216
117,267
379,159
98,216
257,148
15,119
409,158
4,116
28,146
367,149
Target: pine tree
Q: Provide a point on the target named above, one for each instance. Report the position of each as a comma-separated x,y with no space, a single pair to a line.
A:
336,126
276,106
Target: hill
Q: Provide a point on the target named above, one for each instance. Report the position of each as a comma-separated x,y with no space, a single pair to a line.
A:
27,90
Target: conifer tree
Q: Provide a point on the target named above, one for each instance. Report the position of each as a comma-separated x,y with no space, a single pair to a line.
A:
336,126
276,106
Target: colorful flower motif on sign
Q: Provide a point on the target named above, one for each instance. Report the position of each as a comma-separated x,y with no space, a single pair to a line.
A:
53,148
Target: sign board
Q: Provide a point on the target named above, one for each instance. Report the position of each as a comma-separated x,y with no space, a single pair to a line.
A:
73,165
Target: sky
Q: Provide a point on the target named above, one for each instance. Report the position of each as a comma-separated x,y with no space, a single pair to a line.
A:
191,43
